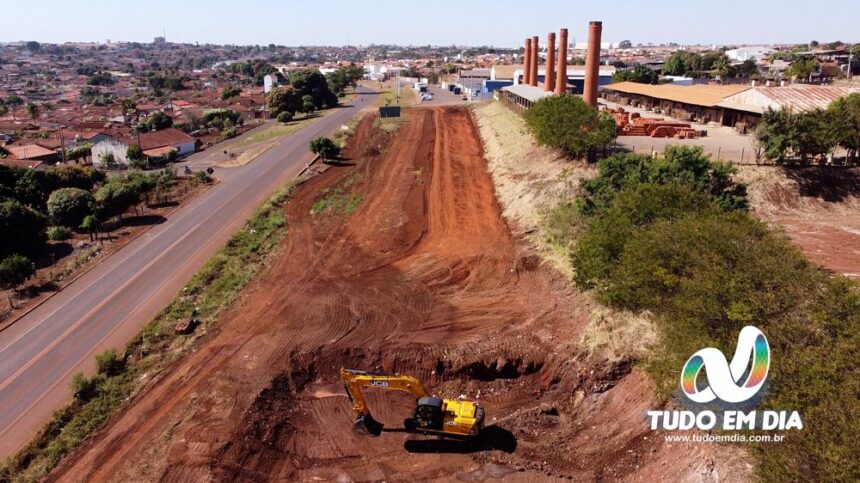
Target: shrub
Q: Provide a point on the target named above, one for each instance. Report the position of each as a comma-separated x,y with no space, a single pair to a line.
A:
605,236
285,117
84,388
202,177
681,164
15,270
566,122
69,206
229,132
108,364
59,233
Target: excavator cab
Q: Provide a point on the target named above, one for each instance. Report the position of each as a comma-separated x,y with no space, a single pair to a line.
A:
432,415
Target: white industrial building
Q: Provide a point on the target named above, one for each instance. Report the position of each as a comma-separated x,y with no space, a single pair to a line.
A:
742,54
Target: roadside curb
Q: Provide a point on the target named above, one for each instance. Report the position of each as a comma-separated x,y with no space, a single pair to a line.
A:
9,323
308,165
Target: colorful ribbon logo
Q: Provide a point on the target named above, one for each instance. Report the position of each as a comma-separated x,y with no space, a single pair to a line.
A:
724,379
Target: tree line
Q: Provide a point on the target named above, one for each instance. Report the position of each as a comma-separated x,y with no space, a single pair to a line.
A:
784,134
38,205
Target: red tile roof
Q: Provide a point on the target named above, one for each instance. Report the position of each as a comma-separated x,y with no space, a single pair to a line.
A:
165,137
29,151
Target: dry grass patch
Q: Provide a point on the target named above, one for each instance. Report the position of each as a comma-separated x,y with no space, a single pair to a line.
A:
619,336
530,180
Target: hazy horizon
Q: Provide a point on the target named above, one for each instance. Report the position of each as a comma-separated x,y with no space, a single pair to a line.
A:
500,23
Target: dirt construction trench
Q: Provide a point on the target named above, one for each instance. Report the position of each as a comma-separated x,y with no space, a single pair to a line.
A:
396,259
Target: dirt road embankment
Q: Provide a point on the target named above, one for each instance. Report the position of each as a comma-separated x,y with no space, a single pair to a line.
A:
396,259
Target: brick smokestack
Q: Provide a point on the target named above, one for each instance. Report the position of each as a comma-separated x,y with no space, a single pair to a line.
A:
549,78
561,72
527,59
534,65
592,63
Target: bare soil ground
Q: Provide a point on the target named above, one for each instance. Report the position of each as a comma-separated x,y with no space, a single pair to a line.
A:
423,277
818,207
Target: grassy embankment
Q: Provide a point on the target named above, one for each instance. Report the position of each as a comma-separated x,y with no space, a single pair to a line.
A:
211,289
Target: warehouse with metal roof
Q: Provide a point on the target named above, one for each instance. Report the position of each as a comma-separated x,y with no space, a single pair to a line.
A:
698,103
738,106
520,97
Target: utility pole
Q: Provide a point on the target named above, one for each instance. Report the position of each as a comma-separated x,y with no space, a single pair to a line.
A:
62,146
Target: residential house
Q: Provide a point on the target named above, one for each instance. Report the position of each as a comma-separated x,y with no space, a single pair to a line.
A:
154,144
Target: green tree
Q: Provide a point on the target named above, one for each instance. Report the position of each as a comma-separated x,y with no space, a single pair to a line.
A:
773,134
155,122
15,270
284,98
325,148
23,229
114,197
722,66
311,82
567,123
69,206
308,106
91,225
802,68
640,74
811,135
33,111
674,65
128,106
845,123
134,152
230,92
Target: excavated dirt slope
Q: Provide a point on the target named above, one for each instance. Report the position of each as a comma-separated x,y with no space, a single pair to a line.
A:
424,277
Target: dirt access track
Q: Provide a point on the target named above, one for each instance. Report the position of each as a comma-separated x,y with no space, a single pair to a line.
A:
420,276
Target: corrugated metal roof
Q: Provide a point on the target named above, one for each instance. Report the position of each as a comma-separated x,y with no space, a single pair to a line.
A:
530,93
707,95
797,97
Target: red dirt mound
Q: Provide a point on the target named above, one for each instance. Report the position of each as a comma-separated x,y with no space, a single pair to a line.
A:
398,259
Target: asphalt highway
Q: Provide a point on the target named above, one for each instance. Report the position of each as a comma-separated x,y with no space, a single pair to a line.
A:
111,303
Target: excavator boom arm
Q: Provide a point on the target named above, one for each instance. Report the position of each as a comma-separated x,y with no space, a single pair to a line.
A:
354,380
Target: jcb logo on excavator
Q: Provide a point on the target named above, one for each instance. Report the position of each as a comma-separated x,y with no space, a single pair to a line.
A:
379,383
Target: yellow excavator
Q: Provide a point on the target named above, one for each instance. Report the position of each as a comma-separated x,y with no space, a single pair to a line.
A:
433,416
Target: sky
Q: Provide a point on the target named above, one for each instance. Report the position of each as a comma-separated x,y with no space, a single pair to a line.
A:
502,23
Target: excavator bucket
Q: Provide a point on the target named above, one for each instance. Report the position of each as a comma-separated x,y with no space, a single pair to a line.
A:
365,424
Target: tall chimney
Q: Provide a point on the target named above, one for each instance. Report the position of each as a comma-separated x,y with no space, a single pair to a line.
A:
561,72
592,63
534,65
527,59
549,78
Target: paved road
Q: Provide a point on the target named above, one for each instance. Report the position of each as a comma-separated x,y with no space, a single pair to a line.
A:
112,302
